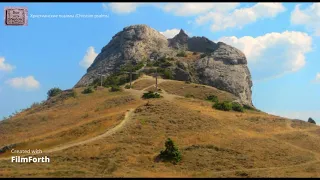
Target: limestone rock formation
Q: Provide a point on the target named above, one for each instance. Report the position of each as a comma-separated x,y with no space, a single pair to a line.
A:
221,66
132,44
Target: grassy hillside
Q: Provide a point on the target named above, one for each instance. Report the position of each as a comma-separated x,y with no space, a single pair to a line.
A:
213,143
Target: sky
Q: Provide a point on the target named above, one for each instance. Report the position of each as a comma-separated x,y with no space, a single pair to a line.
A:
61,40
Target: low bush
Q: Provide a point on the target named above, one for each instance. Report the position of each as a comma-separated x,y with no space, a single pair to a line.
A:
237,107
182,54
166,64
88,90
127,86
224,106
212,98
150,94
248,107
167,74
115,89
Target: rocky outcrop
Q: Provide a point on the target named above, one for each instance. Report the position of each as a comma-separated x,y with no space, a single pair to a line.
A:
201,44
226,69
196,44
133,43
223,66
180,41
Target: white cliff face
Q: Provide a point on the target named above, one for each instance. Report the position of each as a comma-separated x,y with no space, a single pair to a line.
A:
224,67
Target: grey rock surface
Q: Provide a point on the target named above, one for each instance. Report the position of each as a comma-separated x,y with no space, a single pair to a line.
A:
133,43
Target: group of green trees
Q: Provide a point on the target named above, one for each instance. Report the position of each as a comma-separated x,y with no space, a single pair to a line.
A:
228,106
120,77
225,105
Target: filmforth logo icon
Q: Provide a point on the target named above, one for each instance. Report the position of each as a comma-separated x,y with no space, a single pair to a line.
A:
15,16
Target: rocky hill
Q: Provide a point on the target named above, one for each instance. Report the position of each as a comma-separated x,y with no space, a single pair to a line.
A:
200,61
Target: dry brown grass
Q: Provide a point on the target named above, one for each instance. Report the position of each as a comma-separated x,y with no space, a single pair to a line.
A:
79,118
213,143
143,83
194,90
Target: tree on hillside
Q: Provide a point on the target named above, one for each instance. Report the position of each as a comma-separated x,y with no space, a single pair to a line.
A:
171,153
310,120
53,92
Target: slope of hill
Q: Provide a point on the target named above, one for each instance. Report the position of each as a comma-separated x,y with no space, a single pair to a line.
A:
119,134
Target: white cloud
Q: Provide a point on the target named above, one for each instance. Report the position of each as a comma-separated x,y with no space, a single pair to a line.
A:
4,66
309,17
26,83
170,33
122,8
274,53
178,9
189,9
221,15
240,17
88,57
317,78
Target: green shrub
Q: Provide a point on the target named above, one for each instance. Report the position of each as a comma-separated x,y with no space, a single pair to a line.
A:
167,74
127,86
248,107
111,80
203,55
53,92
150,94
182,54
310,120
212,98
149,64
87,90
134,67
237,107
166,64
171,153
115,89
160,70
224,106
